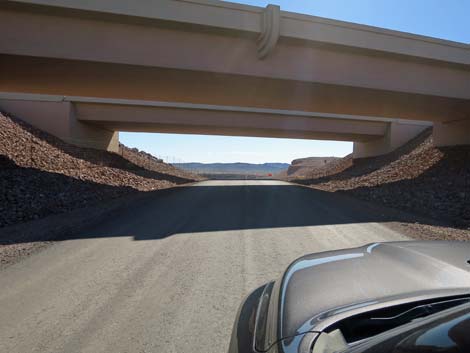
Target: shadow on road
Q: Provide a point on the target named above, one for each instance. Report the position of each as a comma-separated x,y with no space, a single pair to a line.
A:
216,206
205,207
201,209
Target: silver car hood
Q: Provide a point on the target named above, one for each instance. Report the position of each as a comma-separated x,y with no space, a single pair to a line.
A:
317,289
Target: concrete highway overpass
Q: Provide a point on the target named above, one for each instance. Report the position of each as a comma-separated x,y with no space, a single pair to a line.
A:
84,70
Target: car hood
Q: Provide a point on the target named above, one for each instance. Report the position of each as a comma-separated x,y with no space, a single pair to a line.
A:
318,287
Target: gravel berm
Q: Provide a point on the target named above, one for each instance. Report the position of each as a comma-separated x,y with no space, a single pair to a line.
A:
418,178
41,175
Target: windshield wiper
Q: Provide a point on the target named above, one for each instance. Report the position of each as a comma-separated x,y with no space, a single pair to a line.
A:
419,311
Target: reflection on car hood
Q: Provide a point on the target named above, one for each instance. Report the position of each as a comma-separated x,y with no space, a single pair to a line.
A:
322,285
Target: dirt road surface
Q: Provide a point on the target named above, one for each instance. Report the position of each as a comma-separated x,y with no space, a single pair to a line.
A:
168,273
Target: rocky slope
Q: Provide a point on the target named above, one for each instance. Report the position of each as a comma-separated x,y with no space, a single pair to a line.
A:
42,175
418,177
149,162
307,167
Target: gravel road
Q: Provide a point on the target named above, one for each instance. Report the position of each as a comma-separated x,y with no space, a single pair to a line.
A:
168,274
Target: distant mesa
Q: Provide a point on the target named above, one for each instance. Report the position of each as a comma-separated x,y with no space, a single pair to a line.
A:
234,170
297,168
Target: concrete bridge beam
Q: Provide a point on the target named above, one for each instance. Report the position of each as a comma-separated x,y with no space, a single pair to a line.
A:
59,119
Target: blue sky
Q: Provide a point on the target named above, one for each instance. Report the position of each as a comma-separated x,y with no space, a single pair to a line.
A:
447,19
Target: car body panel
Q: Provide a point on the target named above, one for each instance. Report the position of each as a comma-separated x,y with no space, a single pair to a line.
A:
318,290
319,286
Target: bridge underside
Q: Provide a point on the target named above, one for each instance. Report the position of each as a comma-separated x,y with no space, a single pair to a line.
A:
94,122
123,82
315,78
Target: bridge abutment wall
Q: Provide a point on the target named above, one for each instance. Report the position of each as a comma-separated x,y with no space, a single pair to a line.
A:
58,119
451,133
398,133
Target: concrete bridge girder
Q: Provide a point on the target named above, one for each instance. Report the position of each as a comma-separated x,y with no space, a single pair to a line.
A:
92,79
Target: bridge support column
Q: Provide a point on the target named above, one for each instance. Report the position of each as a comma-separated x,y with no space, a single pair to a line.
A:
452,133
398,133
58,118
